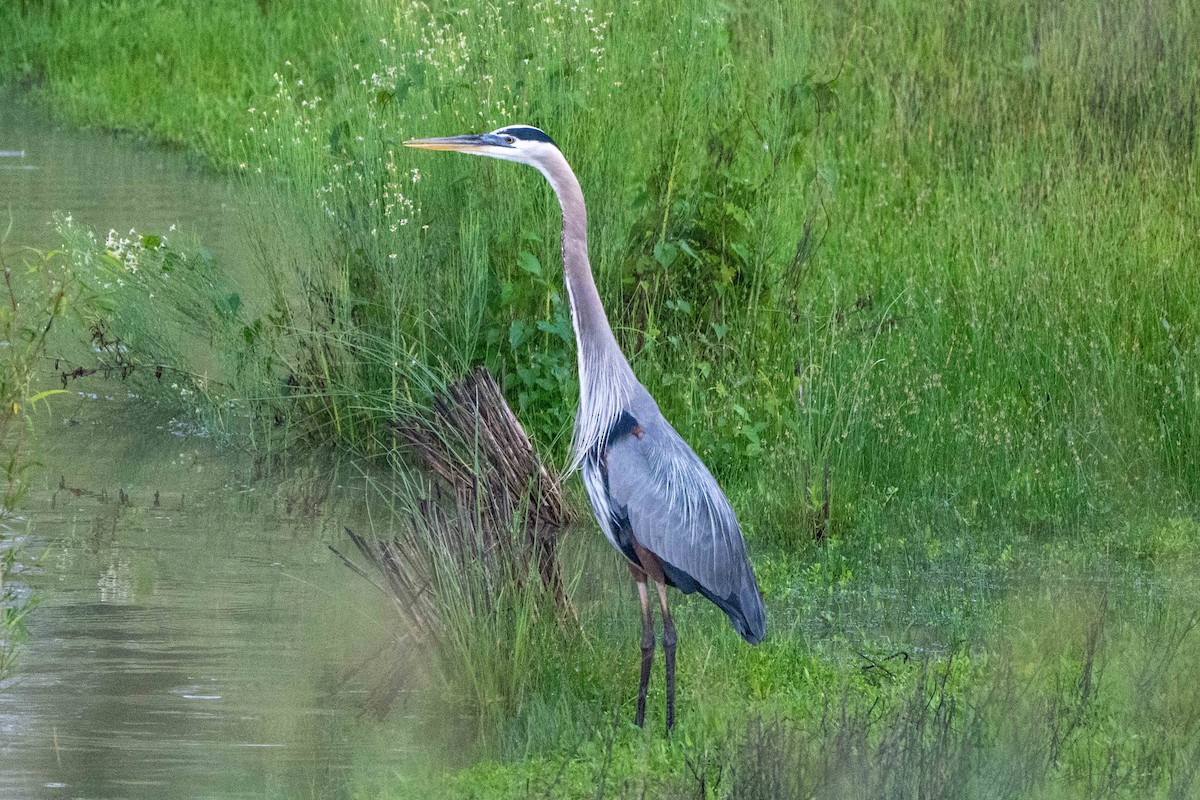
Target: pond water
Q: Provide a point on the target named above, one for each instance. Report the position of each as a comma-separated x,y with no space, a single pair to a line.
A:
194,633
106,182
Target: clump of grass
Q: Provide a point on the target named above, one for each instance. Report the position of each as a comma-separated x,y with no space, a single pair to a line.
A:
168,319
471,561
27,315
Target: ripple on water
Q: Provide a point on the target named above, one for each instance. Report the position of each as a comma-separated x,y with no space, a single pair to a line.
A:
190,654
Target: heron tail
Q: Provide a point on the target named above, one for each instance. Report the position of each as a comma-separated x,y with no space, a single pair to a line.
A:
744,609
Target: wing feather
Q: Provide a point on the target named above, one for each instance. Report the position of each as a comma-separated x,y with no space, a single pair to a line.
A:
662,491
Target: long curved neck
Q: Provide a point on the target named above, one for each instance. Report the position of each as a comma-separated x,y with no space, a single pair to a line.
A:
605,377
587,312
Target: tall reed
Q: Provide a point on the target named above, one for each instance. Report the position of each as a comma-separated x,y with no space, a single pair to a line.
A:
36,295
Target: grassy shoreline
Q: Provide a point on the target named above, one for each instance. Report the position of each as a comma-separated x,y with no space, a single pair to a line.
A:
1002,284
948,255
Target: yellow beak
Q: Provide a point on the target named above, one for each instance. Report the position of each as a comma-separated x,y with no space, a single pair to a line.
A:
456,143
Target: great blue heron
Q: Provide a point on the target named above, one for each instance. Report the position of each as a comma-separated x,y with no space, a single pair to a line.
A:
654,499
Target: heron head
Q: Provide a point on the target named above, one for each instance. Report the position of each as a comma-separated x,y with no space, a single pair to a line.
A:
521,143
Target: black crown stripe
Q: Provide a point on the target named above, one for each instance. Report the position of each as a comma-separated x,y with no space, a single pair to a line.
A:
526,133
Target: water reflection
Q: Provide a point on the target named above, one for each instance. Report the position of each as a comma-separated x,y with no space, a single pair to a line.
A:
105,183
190,648
194,628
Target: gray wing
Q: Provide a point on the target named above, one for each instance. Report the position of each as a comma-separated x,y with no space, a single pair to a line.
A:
661,493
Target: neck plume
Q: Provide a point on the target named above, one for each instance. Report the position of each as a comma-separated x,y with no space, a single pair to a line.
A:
606,380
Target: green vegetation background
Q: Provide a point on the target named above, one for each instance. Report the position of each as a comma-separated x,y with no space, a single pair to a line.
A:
949,252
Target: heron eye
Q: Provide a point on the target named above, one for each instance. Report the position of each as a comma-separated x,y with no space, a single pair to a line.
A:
510,139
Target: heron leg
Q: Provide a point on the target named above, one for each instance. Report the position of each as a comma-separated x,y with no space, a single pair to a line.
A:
652,569
668,655
639,575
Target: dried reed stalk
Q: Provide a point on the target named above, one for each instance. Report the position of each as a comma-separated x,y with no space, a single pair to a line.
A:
491,513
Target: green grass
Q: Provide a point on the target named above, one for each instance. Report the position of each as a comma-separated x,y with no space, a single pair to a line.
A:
37,293
963,237
948,252
1052,673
